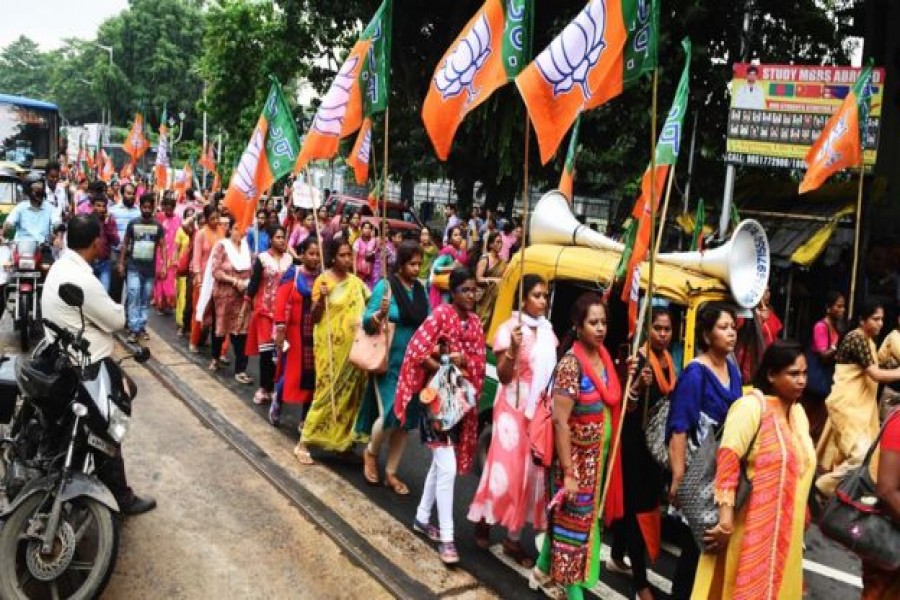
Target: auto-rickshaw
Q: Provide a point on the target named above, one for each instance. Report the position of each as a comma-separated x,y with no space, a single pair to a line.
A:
575,259
11,189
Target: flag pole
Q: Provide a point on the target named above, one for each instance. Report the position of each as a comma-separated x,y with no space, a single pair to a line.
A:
315,212
384,184
525,200
859,197
648,300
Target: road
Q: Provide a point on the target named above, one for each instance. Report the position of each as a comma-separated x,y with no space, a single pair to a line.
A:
830,571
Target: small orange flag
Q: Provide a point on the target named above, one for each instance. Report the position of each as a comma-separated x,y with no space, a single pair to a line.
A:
108,169
580,69
136,144
208,159
839,145
466,76
362,152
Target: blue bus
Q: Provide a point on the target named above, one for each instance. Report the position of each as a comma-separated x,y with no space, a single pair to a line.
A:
29,131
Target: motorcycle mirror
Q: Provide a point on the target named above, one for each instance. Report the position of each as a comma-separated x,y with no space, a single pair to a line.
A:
72,295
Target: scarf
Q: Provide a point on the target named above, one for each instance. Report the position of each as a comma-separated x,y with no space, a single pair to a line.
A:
664,384
457,255
413,311
239,259
296,276
542,359
611,393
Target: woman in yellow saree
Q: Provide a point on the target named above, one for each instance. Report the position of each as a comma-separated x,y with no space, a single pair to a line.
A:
756,552
339,385
853,402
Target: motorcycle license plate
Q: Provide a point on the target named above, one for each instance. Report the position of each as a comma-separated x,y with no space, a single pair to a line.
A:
102,445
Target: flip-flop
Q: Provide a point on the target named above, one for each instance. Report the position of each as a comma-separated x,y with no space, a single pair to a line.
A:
398,487
303,456
515,551
370,467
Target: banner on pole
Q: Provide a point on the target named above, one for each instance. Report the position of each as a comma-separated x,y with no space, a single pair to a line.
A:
778,111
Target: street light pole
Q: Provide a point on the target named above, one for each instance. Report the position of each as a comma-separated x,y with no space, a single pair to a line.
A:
109,104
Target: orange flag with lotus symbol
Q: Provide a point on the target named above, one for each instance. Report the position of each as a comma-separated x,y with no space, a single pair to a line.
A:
361,154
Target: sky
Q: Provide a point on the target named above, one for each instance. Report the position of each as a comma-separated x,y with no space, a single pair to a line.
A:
48,22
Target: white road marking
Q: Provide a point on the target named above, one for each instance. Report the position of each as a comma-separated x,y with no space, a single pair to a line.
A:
832,573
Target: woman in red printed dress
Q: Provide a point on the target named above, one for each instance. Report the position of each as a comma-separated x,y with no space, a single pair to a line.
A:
164,287
455,331
511,491
294,335
268,268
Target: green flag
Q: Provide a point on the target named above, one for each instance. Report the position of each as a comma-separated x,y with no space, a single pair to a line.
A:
375,75
670,137
735,216
641,46
699,220
517,36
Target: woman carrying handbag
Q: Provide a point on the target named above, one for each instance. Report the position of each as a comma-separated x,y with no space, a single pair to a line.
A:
406,308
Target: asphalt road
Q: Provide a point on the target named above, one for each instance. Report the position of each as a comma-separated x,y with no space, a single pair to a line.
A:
830,571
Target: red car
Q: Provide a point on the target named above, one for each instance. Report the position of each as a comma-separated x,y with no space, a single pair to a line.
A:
399,217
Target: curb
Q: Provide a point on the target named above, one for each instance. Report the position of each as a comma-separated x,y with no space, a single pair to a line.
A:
362,553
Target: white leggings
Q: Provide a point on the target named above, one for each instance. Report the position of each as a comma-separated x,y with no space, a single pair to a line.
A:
439,486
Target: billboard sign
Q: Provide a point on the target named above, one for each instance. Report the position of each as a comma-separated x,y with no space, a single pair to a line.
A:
777,112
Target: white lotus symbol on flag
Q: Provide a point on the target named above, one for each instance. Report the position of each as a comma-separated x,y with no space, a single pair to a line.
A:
568,59
246,170
462,65
365,148
330,116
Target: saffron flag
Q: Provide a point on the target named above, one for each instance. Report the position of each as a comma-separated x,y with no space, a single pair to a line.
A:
108,170
126,172
208,159
270,155
361,154
840,144
84,162
360,86
567,179
161,167
217,182
184,180
606,47
136,143
667,148
491,50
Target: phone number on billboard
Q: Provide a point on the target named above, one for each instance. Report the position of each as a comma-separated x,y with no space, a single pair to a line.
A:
756,160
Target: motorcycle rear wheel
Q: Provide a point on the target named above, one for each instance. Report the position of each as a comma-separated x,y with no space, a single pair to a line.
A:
24,323
87,529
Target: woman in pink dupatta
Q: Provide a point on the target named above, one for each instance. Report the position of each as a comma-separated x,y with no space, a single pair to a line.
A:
451,256
453,330
164,288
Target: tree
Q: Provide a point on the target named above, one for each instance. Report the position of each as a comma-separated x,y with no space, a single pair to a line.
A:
24,69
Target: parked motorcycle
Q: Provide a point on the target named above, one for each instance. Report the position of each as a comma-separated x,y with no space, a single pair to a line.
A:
58,533
28,266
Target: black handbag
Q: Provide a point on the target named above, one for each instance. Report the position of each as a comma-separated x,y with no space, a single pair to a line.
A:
854,519
819,375
696,495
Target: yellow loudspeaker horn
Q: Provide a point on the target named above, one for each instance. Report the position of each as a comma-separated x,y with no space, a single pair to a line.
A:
743,263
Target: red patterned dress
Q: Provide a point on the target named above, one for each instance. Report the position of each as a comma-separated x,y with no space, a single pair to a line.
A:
444,326
264,282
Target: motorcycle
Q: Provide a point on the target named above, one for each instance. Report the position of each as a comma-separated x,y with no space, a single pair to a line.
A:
58,532
28,267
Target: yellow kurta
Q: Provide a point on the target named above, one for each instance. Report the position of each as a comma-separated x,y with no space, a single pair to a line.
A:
852,420
182,245
763,561
338,381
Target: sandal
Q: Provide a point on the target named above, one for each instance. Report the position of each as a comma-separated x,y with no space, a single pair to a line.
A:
370,467
245,379
398,487
538,580
448,553
428,530
303,456
214,365
483,535
515,551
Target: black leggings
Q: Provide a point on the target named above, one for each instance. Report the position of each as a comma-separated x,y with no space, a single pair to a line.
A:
686,569
267,370
628,537
237,346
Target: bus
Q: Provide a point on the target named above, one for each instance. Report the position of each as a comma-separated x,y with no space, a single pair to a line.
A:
29,131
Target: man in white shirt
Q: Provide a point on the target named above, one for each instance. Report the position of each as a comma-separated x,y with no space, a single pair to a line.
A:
750,95
102,317
57,196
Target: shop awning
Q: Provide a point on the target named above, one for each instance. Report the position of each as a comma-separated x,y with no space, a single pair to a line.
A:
798,234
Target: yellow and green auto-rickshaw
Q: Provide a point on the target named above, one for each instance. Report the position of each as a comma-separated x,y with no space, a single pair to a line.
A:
11,190
575,259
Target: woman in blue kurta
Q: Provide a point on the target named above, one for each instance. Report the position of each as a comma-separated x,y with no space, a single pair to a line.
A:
705,391
406,307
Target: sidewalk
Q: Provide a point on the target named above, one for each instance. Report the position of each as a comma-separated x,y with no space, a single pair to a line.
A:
386,548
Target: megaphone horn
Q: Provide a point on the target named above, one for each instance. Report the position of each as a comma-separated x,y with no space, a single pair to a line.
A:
743,263
552,222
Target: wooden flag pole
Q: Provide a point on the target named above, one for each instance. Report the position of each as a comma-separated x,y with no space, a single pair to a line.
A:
859,197
525,201
665,210
648,300
315,211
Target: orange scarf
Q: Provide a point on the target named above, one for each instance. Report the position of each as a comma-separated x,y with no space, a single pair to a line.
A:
665,385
